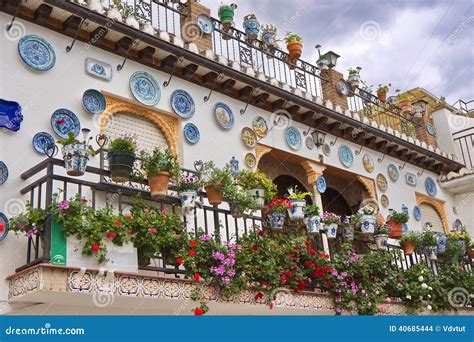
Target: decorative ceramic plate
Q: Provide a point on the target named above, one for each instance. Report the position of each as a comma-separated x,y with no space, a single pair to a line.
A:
343,87
410,179
404,229
345,155
393,172
99,69
3,173
417,213
93,101
36,52
309,143
41,141
321,184
384,201
4,224
145,88
430,186
250,160
223,115
260,126
381,182
368,162
182,103
64,121
430,129
457,225
326,150
10,115
293,138
191,133
249,137
205,24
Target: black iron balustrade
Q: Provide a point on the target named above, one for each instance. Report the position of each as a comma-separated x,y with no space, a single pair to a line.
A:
465,140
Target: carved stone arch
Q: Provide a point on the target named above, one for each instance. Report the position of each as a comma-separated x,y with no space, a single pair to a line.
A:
438,206
369,186
260,151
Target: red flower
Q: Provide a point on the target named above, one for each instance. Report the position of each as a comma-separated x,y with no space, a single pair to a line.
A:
179,261
261,233
313,265
329,283
84,200
198,312
95,247
255,247
283,278
196,276
193,243
262,282
295,248
128,216
117,223
164,212
312,251
111,235
258,296
306,263
59,121
2,227
192,252
307,243
153,230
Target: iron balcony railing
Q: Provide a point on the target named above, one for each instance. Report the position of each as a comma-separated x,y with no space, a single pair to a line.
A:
465,141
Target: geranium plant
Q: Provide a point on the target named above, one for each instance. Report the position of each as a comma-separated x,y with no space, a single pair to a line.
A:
188,183
292,37
279,205
30,222
330,218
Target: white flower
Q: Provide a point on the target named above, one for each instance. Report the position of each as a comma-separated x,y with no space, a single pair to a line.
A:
429,307
429,296
421,297
408,296
420,278
424,286
430,288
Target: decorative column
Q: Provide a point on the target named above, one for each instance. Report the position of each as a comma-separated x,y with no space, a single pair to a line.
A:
329,87
190,31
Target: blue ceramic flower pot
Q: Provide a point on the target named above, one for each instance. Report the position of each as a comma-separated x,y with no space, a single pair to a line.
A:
367,224
313,224
431,252
75,157
296,212
331,230
188,199
252,28
277,220
441,243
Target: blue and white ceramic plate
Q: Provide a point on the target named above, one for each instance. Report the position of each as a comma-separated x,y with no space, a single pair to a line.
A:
430,186
93,101
417,213
293,138
64,121
224,116
3,173
205,24
36,52
182,103
145,88
99,69
393,172
410,179
345,155
430,129
41,141
191,133
321,184
4,223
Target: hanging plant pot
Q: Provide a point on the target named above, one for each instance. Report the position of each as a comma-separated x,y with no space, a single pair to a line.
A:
132,22
331,230
431,252
354,81
259,196
367,224
396,229
405,106
277,220
295,49
381,242
409,247
269,38
313,224
75,157
188,199
213,196
251,27
442,243
159,184
235,211
147,28
120,165
382,95
348,232
296,212
114,13
226,34
226,15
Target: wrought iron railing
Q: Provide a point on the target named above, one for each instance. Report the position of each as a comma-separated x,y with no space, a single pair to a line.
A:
465,140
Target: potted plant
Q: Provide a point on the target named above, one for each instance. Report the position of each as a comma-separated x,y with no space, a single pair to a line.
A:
240,202
381,237
404,102
323,61
367,219
462,238
298,203
251,27
269,37
76,154
226,15
277,212
159,166
396,221
354,77
312,219
331,221
440,104
188,187
121,157
409,241
441,242
429,243
294,44
258,185
218,183
114,11
382,91
30,222
348,224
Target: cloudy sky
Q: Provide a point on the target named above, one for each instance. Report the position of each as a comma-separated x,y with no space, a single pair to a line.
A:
409,43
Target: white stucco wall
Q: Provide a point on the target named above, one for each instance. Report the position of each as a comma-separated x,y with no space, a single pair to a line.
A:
40,94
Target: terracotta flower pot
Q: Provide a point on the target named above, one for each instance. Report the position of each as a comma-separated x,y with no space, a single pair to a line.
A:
213,196
405,106
295,50
382,95
396,229
409,247
470,253
159,184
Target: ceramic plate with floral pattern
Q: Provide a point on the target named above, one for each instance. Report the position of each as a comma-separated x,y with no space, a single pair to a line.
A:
430,186
384,201
145,88
93,101
293,138
182,103
321,184
223,115
63,121
368,162
260,126
4,225
41,141
36,52
3,172
249,137
250,160
381,182
393,172
191,133
345,155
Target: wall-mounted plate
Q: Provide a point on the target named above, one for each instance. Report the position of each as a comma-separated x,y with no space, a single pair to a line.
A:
3,173
250,160
410,178
145,88
345,155
41,141
384,201
205,24
321,184
260,126
381,182
326,150
393,173
99,69
293,138
417,213
191,133
368,162
249,137
430,186
93,101
223,115
63,121
5,226
182,103
36,52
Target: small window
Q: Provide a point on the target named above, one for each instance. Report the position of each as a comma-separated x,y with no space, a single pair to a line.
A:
430,216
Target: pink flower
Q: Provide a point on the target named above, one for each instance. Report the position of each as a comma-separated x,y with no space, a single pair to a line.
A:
153,230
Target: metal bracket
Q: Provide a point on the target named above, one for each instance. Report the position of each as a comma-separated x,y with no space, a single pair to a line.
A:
84,22
218,78
179,60
51,150
101,140
359,151
419,174
401,167
381,159
134,43
254,92
306,132
198,164
17,9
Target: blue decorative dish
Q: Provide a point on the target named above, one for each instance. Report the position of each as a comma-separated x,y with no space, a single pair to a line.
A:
205,23
182,103
405,229
410,179
3,173
6,226
41,141
145,88
345,155
321,184
430,186
10,115
93,101
36,52
64,121
224,116
191,133
99,69
293,138
417,213
393,172
430,129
